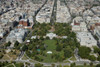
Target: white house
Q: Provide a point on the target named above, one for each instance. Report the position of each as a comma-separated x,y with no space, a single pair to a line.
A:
51,35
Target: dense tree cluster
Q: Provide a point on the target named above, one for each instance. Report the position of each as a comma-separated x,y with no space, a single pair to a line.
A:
38,65
17,45
1,55
97,50
98,65
7,44
34,46
62,29
41,29
84,52
2,64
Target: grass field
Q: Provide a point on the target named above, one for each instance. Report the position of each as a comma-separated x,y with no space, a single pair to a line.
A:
51,46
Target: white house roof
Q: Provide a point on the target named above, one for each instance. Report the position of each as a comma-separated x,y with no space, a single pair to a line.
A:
51,35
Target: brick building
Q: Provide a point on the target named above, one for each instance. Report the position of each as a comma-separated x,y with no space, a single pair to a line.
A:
24,22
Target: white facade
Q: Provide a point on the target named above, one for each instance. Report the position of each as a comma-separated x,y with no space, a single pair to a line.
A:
86,39
78,19
96,10
92,20
51,35
76,28
16,35
2,34
78,24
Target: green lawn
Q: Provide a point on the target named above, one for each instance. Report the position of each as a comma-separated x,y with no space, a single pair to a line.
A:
51,47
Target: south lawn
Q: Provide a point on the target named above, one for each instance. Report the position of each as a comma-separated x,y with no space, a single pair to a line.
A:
51,46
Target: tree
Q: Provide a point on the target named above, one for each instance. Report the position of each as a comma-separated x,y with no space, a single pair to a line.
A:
1,55
96,49
84,53
96,37
38,65
59,47
59,66
19,46
21,65
72,65
92,58
98,65
91,64
85,64
42,47
30,47
28,53
47,38
53,65
8,44
98,58
38,58
66,66
72,35
16,44
68,52
2,64
41,38
59,57
24,48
